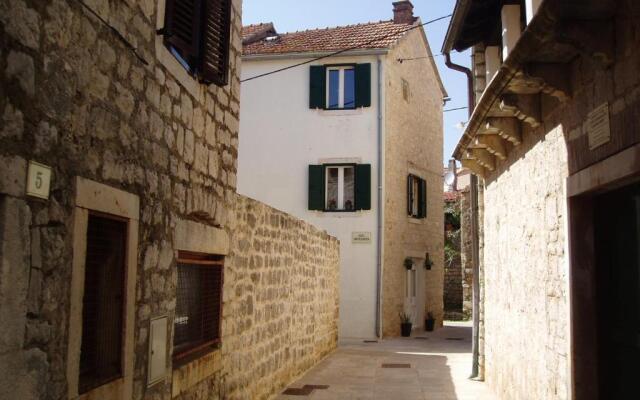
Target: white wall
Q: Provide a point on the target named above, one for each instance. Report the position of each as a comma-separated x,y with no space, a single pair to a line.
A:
280,137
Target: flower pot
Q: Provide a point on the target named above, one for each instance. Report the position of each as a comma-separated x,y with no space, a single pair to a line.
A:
429,324
406,329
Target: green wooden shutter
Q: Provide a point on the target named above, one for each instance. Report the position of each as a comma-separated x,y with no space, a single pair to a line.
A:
317,87
363,85
363,187
410,195
316,187
422,198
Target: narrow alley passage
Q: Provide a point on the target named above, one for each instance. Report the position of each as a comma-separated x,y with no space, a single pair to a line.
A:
427,366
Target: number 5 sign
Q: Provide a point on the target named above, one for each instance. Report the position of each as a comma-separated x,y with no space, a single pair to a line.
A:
38,180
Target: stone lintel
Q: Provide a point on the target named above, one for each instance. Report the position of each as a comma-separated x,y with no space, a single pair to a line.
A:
525,107
507,128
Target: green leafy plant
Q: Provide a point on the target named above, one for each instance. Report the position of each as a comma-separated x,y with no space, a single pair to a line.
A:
404,318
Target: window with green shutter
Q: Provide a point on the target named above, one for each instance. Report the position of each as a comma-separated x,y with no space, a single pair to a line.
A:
340,187
339,87
416,197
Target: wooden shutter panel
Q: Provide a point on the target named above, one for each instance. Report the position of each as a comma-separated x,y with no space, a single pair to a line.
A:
410,195
317,87
182,29
363,85
422,199
216,34
316,187
363,187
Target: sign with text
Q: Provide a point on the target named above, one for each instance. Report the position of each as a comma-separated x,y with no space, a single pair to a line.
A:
598,126
38,180
361,237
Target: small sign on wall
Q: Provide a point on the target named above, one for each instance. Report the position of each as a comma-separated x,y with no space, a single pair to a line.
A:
38,180
361,237
598,126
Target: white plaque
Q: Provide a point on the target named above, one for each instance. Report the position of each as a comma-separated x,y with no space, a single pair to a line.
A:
361,237
598,126
38,180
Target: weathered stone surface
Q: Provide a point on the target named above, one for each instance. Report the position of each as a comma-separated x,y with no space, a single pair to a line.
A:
20,66
14,175
21,22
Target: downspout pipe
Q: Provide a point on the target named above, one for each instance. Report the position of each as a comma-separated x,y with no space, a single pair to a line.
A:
379,209
475,244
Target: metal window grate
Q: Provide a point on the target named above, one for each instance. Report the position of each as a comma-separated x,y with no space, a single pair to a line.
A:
103,302
198,305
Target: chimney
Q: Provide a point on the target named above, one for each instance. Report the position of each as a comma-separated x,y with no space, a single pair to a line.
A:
403,12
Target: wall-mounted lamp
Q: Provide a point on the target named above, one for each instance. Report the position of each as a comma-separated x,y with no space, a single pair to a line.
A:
427,262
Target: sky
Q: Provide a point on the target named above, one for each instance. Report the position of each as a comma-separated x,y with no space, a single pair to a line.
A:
294,15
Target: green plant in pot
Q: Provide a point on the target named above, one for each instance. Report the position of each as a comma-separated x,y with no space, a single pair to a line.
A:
405,324
429,322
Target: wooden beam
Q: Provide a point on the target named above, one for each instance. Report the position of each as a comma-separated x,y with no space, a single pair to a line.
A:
525,107
473,165
494,145
507,128
483,157
552,79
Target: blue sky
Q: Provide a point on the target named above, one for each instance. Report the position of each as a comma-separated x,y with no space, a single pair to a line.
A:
292,15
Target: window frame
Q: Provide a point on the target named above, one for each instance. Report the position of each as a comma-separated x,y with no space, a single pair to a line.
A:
341,68
416,181
326,191
191,353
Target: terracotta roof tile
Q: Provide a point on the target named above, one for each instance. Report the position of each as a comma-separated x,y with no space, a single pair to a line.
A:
257,31
373,35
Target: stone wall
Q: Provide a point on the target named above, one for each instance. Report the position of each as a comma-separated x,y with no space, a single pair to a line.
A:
525,275
413,145
466,252
76,96
453,283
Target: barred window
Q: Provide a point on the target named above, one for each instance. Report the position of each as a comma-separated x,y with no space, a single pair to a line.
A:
199,305
103,302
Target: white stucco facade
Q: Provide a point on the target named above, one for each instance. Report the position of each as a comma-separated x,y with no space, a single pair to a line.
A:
281,136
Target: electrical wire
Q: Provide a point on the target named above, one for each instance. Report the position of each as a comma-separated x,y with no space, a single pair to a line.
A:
115,32
401,60
455,109
343,50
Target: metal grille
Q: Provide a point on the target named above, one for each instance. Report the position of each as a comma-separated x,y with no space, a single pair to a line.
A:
198,305
103,302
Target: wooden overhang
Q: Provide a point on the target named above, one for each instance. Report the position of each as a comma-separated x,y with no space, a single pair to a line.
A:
539,65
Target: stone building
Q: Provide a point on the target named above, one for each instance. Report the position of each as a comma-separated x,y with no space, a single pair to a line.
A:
352,143
554,139
130,267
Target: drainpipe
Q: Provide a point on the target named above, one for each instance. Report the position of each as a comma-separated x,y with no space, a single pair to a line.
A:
475,245
379,209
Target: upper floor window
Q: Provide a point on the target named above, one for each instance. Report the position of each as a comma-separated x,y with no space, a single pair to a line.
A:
338,87
406,93
341,87
197,33
416,197
344,187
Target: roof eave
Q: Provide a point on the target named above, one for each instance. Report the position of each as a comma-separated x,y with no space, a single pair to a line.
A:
457,21
314,54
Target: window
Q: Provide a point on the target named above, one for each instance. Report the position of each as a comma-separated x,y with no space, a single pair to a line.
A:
103,302
198,306
416,197
340,188
341,87
406,93
336,87
344,187
197,33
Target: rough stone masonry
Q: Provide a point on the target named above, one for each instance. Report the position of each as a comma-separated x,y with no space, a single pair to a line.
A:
75,97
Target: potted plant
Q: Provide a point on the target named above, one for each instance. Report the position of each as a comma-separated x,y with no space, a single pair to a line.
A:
408,263
429,322
405,324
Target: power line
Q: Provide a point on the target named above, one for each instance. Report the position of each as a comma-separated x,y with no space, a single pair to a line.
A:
344,50
401,60
455,109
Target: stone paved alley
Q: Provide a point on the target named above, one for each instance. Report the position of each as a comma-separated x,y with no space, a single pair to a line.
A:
439,364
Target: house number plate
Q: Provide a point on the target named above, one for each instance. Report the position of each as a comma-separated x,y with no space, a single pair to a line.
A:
38,180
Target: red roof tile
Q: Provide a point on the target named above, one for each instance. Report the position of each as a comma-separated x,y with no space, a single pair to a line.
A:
450,196
373,35
251,33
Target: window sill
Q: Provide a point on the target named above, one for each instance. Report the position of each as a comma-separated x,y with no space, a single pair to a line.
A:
340,214
339,112
190,374
417,221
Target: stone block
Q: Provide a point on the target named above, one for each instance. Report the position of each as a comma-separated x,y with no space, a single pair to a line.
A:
20,66
13,178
